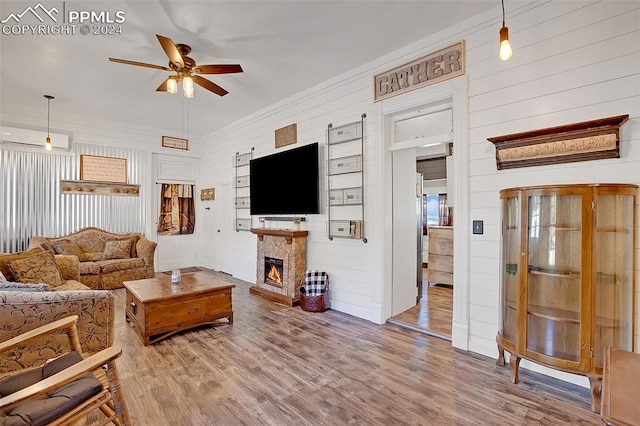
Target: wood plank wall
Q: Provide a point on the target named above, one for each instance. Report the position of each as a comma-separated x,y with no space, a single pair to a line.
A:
573,61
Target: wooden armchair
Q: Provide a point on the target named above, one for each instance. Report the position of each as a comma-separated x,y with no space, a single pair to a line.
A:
86,384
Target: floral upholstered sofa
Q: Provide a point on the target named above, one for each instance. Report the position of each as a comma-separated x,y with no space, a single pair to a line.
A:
23,309
105,259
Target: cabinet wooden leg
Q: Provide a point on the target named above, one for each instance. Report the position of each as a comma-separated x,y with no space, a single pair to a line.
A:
515,365
595,383
500,360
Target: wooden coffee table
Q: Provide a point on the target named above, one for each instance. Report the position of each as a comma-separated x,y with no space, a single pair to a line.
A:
159,309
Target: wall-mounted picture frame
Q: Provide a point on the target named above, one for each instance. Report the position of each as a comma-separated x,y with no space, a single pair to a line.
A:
94,168
287,135
176,143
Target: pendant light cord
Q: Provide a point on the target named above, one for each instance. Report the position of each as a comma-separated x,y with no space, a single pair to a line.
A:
185,101
503,13
48,114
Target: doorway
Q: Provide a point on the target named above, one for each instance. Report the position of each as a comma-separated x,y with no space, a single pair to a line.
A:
433,312
453,94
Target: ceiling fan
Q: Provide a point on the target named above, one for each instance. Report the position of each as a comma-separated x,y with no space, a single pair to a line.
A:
186,69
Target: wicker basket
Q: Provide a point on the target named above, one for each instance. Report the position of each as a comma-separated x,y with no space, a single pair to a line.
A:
315,303
318,303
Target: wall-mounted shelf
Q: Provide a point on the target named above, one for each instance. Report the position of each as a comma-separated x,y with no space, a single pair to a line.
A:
345,181
241,183
99,188
587,140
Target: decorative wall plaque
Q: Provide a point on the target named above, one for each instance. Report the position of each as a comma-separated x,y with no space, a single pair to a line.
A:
177,143
208,194
287,135
587,140
430,69
94,168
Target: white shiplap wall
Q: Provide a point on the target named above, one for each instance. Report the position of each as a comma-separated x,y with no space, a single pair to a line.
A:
573,61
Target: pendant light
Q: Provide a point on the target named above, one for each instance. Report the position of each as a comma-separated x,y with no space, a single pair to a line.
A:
47,144
505,47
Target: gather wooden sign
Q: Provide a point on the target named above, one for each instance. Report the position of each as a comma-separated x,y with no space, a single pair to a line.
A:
430,69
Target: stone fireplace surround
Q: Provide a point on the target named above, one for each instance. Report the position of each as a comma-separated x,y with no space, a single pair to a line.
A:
291,247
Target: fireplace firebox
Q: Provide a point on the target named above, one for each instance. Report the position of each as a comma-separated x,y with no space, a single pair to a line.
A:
274,271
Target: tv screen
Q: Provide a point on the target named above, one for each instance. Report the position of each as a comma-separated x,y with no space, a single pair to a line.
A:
286,182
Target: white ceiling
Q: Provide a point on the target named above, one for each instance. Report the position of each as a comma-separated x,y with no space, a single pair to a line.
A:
284,47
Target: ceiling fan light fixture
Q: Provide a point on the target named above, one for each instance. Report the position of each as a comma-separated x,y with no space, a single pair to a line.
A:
187,85
185,69
172,86
47,143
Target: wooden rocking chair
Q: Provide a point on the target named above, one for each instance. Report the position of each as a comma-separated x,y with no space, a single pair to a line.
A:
66,389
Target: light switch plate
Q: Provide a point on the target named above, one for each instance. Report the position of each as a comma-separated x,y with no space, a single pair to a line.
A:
478,227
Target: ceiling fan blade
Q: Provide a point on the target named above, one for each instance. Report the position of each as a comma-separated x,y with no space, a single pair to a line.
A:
218,69
139,64
171,50
163,86
209,85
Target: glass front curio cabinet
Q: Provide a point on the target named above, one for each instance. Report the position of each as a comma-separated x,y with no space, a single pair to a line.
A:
567,276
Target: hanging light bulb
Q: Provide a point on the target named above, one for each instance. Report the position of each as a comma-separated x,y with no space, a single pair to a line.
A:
172,85
187,87
47,143
505,47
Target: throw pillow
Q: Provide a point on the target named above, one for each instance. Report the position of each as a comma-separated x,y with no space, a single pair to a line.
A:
39,268
6,257
134,240
117,249
69,247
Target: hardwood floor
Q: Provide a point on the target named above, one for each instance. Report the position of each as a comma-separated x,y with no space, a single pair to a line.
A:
283,366
433,315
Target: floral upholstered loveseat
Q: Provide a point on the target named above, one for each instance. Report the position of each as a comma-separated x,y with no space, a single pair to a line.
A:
105,260
22,310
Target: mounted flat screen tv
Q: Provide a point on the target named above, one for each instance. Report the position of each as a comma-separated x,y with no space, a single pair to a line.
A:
285,182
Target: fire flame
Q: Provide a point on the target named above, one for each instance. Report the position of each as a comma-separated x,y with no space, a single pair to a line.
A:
274,275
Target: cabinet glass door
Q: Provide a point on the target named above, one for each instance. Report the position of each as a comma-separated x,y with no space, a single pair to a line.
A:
511,256
554,275
613,268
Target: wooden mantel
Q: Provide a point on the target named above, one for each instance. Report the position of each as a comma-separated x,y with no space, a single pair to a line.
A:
289,234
